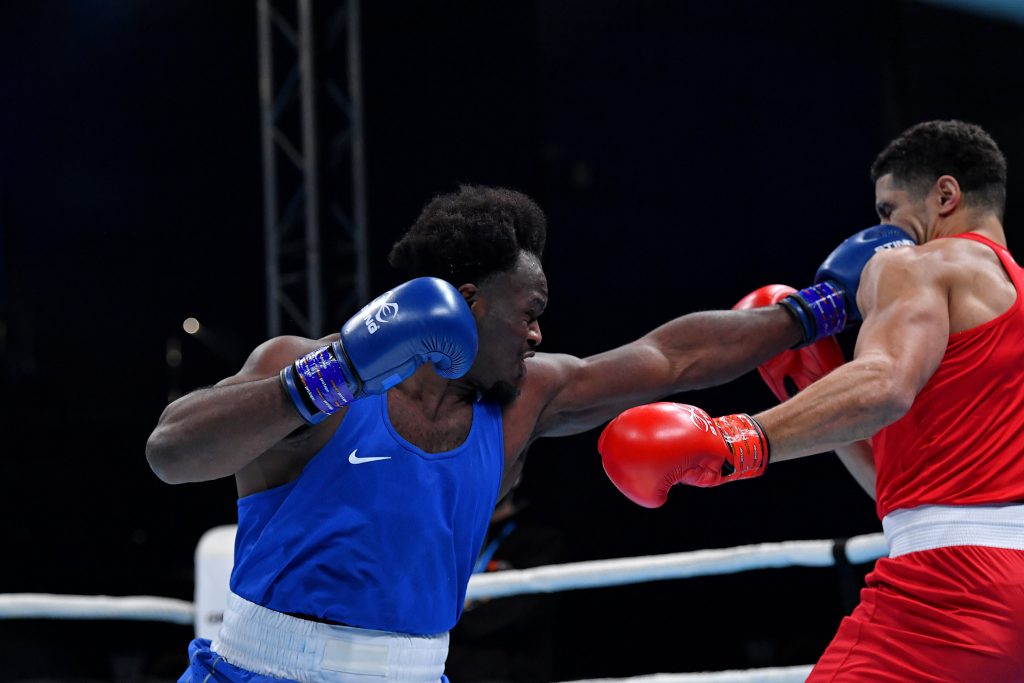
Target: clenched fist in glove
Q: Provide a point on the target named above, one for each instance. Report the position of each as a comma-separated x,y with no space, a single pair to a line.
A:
648,449
794,370
824,308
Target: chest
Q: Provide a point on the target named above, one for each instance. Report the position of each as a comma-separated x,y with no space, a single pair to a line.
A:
432,433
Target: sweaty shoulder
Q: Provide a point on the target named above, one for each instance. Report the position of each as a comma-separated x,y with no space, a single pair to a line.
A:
958,256
903,259
969,274
284,461
546,375
268,358
895,272
933,258
980,287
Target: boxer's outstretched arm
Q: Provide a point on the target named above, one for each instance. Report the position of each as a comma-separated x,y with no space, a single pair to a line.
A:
904,297
214,432
693,351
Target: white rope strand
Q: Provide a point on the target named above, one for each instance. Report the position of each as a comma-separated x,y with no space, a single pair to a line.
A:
629,570
861,549
132,607
573,576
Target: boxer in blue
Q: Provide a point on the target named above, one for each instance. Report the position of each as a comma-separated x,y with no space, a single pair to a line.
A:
368,463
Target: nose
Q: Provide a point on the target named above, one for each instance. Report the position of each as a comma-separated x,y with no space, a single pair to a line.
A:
533,335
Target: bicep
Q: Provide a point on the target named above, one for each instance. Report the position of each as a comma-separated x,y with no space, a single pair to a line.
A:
586,392
906,318
267,359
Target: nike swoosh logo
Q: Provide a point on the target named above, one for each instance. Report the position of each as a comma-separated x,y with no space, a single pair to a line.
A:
356,460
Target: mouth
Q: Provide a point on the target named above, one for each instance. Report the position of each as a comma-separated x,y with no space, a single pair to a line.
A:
522,365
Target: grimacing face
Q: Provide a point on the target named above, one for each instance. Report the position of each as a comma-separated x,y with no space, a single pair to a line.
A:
509,329
899,206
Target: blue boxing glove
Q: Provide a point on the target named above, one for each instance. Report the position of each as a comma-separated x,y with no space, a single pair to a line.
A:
824,308
423,320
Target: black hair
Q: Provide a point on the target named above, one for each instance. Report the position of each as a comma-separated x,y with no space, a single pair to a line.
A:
963,150
466,235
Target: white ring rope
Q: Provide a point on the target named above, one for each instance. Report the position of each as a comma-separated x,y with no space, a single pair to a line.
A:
593,574
628,570
132,607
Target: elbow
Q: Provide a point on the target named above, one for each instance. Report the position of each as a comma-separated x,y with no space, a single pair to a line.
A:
886,397
162,460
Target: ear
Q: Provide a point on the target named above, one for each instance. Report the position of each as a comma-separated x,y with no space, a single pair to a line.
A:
471,294
948,192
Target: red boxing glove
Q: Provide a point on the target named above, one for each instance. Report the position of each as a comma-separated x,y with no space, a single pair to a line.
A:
648,449
794,370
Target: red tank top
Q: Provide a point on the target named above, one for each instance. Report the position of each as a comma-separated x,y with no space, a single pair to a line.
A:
962,442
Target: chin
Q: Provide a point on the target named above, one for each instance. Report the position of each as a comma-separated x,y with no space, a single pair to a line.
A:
501,392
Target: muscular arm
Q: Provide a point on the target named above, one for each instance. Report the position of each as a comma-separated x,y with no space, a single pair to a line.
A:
693,351
902,341
215,432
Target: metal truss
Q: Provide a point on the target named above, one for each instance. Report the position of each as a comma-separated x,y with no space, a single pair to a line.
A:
314,194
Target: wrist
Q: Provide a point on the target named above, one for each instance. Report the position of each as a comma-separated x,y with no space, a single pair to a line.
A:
748,446
820,309
320,383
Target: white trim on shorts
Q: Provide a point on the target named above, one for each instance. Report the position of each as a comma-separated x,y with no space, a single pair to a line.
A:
940,526
274,644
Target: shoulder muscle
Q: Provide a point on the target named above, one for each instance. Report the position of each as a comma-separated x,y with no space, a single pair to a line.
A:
268,358
904,295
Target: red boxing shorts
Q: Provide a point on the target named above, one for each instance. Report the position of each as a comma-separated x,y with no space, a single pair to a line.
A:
946,614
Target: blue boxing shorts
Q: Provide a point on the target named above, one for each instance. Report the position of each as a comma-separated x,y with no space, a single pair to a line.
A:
206,666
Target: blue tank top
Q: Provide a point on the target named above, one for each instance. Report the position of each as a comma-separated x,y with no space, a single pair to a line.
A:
375,533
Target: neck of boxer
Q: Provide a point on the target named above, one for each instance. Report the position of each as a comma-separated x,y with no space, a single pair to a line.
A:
967,219
430,412
947,211
434,392
986,224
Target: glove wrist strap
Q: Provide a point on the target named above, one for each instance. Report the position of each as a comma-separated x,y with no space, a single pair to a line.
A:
319,384
748,444
820,309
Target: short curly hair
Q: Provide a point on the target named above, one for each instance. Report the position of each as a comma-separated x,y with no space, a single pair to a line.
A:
466,235
963,150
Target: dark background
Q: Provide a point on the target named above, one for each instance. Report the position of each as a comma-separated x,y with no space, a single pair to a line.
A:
685,152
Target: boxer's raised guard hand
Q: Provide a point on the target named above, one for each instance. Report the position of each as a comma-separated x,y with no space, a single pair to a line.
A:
422,320
824,308
796,369
648,449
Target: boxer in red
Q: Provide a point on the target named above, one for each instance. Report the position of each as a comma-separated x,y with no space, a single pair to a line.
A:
937,385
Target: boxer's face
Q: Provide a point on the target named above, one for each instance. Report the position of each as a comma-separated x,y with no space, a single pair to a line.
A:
898,205
507,308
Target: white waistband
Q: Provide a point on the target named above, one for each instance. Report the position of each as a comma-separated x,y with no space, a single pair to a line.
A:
275,644
940,526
